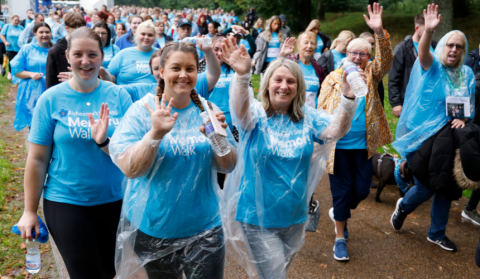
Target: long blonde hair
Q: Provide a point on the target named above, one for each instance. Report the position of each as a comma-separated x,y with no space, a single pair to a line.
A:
295,110
268,30
345,36
314,24
256,25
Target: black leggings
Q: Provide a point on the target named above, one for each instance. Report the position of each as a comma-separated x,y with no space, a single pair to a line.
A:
85,236
203,258
474,199
11,55
2,52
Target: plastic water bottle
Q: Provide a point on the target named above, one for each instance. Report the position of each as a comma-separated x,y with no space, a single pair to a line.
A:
204,41
219,142
33,256
356,82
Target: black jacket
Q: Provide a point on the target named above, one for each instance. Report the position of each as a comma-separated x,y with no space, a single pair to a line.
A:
476,118
433,163
56,62
326,40
473,60
403,61
326,62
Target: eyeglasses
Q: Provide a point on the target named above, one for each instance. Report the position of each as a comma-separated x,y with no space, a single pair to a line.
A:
102,33
355,54
450,46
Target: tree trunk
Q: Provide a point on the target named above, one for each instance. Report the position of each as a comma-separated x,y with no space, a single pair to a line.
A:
304,8
445,8
320,10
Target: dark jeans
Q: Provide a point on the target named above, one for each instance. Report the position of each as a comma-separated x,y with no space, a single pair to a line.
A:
474,200
85,236
11,55
477,254
2,52
203,258
350,181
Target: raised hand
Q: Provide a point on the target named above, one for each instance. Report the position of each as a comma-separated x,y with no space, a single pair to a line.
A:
100,129
162,122
288,47
202,47
432,18
237,57
375,21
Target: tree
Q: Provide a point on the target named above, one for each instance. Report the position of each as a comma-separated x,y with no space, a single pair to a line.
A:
445,8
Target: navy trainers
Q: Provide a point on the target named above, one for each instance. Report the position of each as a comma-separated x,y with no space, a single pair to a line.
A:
340,252
398,216
445,243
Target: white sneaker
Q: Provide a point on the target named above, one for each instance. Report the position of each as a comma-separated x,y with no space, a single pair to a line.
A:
330,213
9,76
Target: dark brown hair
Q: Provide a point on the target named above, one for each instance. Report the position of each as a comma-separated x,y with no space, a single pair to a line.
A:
155,54
419,19
84,33
165,52
43,24
104,25
74,20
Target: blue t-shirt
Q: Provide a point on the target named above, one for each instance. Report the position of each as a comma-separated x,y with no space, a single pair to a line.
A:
131,65
79,173
219,95
2,24
278,153
12,34
176,198
109,52
160,42
312,84
123,41
320,44
356,138
139,90
415,44
245,44
337,58
273,49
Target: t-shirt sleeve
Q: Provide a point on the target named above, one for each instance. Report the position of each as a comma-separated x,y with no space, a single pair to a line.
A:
125,100
19,63
43,125
115,64
4,31
132,91
202,85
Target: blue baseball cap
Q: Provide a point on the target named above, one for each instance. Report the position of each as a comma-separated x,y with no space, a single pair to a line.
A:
183,21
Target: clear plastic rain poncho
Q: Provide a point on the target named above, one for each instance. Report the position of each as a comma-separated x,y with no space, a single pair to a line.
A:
424,110
171,222
280,162
31,58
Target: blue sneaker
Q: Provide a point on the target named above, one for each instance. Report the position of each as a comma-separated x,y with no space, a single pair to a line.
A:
340,251
345,230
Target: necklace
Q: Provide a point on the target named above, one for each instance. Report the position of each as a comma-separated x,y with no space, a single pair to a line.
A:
88,103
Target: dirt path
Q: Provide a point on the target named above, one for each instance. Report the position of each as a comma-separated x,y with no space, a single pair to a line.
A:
376,250
15,142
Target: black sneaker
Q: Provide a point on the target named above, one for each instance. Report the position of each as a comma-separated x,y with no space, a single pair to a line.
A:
398,216
2,71
445,243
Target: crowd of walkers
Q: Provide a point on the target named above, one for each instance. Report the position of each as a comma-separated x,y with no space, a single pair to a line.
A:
116,103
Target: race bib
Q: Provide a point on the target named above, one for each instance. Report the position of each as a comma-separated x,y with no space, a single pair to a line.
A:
311,98
273,52
458,107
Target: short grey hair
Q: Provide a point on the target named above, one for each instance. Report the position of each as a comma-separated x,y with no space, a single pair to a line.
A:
360,43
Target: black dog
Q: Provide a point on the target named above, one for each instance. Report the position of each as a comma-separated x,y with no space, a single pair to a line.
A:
384,172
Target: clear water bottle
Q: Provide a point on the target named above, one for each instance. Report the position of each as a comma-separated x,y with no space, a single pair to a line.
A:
219,142
356,82
204,41
33,256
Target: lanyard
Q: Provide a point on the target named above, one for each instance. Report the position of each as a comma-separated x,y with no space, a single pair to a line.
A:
450,82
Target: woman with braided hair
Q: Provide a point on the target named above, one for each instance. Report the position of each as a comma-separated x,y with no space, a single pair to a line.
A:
170,223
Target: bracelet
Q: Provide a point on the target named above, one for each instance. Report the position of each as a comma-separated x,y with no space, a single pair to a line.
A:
105,143
350,98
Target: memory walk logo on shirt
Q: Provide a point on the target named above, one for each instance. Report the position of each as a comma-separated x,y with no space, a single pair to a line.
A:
142,66
184,143
79,125
285,144
221,83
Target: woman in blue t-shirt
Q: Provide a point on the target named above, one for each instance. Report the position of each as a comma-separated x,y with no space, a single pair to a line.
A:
130,65
109,49
69,161
259,25
312,72
29,69
332,59
279,165
323,41
162,39
269,44
9,36
171,215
